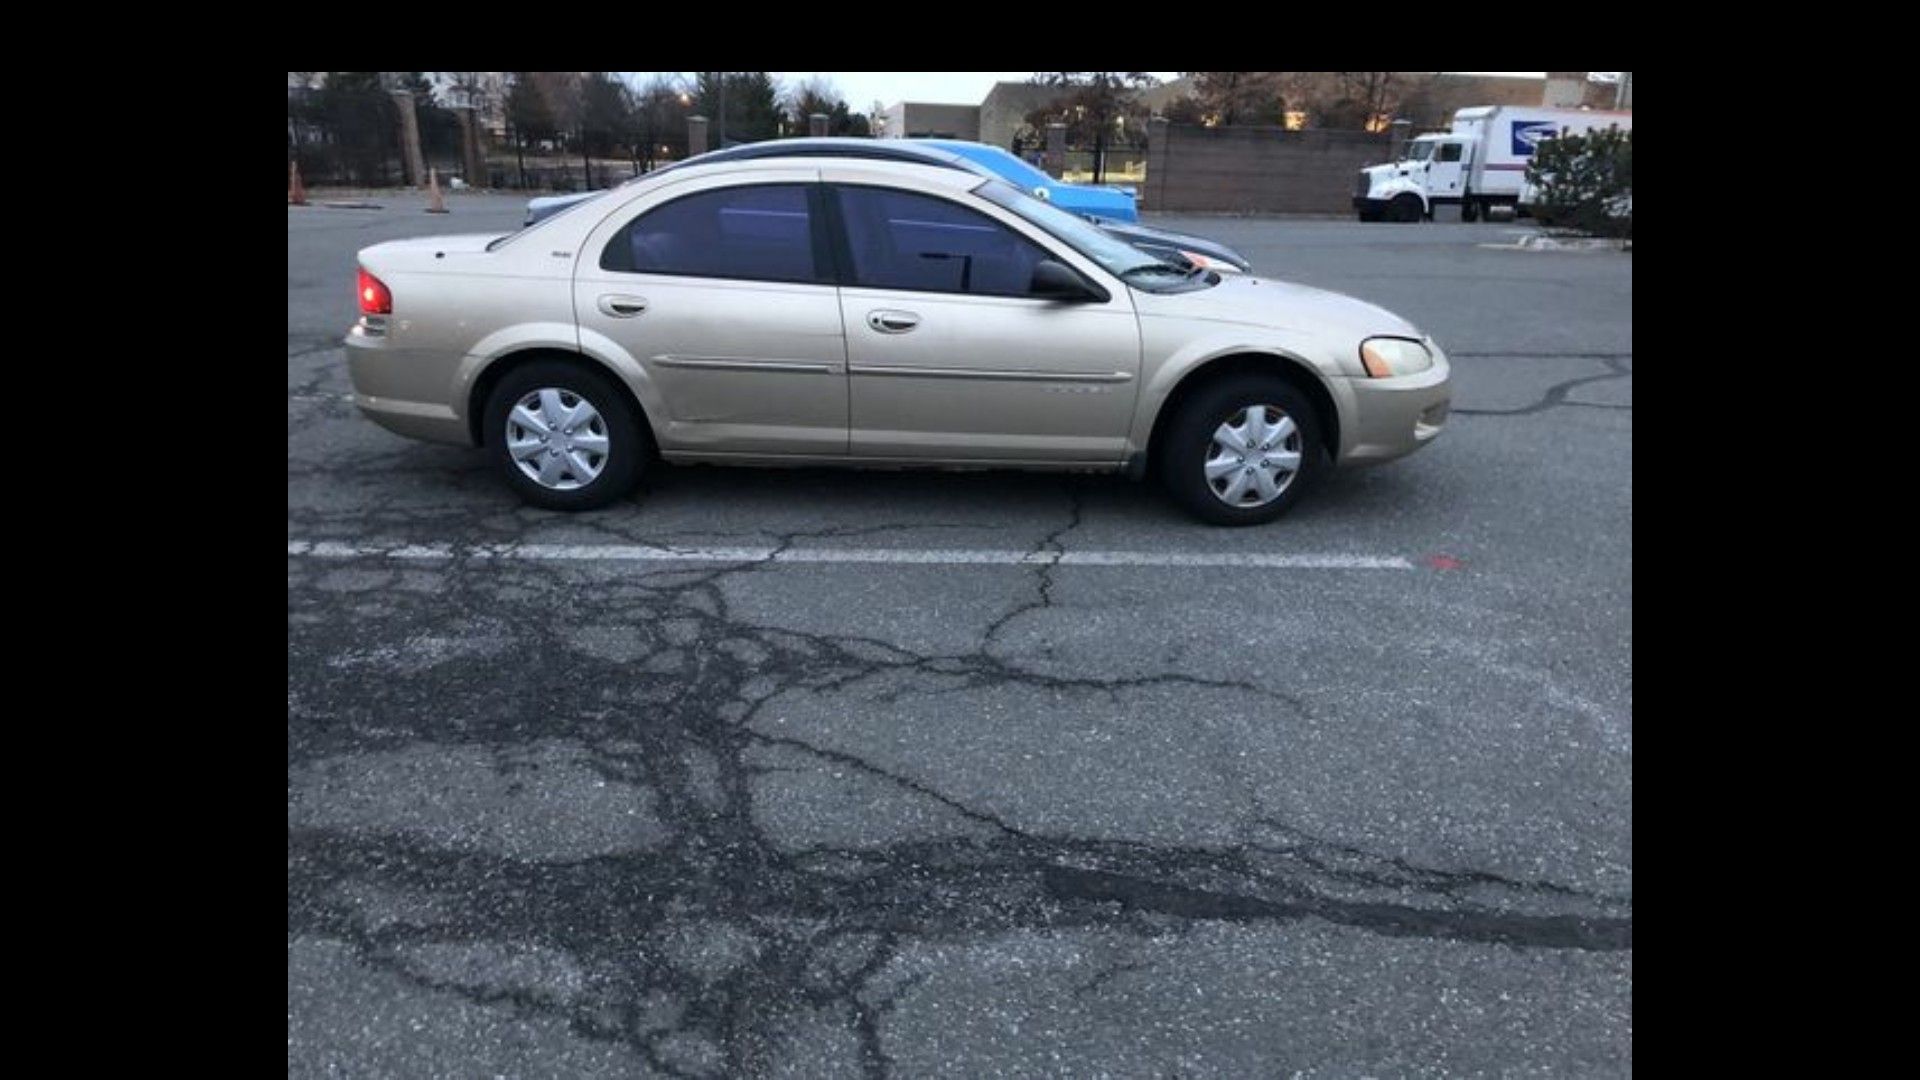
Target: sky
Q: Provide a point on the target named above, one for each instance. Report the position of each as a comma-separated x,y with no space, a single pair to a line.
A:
862,88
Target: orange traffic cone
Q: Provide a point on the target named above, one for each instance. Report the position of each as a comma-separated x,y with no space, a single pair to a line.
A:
436,204
296,191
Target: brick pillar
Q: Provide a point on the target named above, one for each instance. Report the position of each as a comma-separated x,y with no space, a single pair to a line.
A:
411,160
817,124
1154,192
696,135
476,161
1056,159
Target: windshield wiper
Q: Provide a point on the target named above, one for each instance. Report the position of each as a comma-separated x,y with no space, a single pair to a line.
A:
1155,268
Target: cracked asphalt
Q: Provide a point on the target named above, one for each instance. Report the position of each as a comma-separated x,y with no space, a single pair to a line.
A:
557,818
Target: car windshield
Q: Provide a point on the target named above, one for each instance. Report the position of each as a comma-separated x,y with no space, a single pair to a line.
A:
1419,151
1115,255
1014,169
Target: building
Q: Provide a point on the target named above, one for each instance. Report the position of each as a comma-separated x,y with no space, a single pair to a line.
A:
928,120
484,91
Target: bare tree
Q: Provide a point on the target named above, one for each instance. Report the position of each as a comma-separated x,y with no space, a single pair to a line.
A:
1092,103
1227,98
820,95
660,116
527,116
808,96
1355,99
566,100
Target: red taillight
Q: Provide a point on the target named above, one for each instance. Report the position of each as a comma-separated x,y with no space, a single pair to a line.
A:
374,297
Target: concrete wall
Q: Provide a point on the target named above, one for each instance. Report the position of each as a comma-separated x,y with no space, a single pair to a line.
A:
915,120
1255,169
1565,90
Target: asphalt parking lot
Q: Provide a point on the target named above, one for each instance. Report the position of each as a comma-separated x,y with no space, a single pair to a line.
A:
1348,795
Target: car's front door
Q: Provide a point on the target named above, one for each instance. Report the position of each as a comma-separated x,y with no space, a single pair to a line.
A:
725,297
950,357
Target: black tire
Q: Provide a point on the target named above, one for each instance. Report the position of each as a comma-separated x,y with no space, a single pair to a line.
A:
629,443
1406,207
1188,441
1469,211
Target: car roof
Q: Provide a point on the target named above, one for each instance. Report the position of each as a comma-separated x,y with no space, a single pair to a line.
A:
864,149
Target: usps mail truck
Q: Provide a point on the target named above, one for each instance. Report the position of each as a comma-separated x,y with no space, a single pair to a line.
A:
1478,165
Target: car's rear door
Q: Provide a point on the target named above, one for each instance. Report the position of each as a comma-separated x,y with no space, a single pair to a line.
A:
723,292
950,357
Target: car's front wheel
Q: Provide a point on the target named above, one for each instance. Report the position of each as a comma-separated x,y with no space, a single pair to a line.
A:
564,436
1242,450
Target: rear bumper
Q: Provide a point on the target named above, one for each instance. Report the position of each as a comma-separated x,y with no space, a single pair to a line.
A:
382,377
1394,417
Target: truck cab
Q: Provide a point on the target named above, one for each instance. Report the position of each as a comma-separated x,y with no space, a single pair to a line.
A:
1433,169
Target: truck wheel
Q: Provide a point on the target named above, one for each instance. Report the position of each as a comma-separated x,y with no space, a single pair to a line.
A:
1406,207
1469,211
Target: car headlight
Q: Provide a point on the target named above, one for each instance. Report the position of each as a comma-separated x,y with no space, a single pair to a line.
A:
1385,357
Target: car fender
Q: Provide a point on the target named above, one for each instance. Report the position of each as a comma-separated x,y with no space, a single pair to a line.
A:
1387,189
564,337
1162,379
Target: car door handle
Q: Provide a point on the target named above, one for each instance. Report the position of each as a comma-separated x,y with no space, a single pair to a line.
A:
892,322
623,307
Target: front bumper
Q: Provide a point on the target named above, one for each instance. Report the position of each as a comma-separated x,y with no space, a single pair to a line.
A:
1369,206
1394,417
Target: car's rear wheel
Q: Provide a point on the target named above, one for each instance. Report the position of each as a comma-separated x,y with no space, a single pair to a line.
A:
1242,450
565,438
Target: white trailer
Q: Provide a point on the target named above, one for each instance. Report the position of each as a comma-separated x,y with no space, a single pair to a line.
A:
1478,165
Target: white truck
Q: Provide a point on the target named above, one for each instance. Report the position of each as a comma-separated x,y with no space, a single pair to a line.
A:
1480,164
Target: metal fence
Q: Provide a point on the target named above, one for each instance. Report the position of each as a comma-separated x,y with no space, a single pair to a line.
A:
356,137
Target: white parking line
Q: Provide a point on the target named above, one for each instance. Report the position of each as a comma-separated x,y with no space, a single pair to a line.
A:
333,549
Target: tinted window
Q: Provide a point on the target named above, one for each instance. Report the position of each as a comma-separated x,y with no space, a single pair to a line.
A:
900,240
1449,152
763,233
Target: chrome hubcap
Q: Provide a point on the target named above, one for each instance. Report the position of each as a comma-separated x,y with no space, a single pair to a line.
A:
557,438
1254,456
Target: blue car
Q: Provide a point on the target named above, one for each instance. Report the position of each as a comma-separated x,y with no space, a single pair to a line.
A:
1111,203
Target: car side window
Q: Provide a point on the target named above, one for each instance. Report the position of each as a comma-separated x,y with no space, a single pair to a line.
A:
1449,152
903,240
759,232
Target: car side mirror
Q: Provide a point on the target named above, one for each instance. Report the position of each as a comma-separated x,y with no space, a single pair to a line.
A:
1057,281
